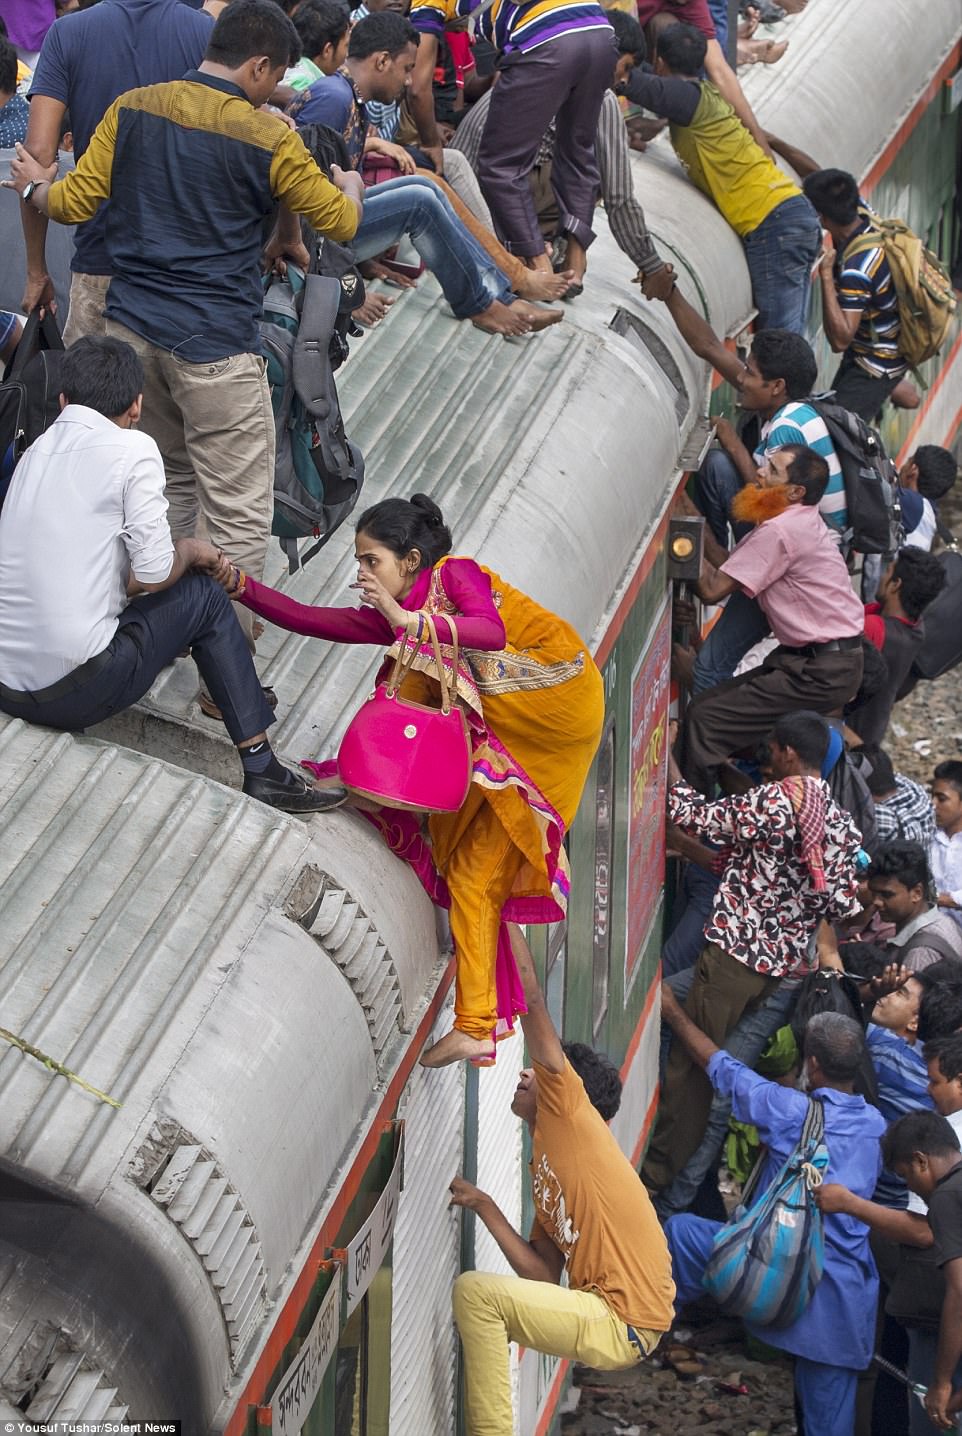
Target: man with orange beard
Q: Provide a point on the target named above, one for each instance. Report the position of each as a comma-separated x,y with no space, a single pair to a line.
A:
790,563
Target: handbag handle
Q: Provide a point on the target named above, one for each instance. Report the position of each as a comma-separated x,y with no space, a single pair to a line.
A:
406,656
446,683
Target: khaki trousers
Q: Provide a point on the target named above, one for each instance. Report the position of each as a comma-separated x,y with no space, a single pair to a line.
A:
722,991
214,427
88,294
491,1310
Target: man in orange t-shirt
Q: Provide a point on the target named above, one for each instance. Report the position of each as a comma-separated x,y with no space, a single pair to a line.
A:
593,1220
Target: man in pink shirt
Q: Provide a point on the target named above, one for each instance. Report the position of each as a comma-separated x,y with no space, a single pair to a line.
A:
791,565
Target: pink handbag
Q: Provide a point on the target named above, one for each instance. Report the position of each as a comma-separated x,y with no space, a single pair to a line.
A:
406,755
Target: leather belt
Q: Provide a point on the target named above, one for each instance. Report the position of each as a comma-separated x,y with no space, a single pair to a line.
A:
834,645
636,1340
69,683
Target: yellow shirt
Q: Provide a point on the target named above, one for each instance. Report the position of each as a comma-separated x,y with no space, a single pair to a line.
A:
724,161
589,1200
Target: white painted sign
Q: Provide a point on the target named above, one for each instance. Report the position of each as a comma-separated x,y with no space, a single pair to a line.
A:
293,1399
365,1253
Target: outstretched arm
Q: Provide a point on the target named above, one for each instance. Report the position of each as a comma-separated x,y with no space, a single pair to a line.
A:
544,1044
702,339
725,80
700,1048
907,1228
800,162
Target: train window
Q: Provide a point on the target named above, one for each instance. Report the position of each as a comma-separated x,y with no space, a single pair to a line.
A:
362,1381
631,326
604,824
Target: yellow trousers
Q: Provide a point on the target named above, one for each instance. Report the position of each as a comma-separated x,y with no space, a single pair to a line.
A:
491,1310
479,862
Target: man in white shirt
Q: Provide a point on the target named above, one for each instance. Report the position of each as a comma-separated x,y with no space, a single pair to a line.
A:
96,597
945,848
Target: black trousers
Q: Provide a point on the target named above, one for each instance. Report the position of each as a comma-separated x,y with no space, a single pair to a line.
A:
860,391
742,712
193,613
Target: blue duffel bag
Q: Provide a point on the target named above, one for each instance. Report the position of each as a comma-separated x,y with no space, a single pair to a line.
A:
769,1258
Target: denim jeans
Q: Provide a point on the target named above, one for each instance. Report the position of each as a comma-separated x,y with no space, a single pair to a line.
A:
780,255
688,935
718,9
740,626
193,613
417,208
716,484
746,1042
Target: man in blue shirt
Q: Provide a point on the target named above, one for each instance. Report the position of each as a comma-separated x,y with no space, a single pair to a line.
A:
380,58
832,1340
87,60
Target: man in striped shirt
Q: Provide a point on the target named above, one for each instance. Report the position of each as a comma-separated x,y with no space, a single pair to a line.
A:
626,218
556,60
860,312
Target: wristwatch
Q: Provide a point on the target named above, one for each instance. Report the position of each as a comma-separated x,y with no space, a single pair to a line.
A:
28,190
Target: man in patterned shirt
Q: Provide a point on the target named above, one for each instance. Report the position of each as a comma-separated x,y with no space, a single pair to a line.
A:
789,856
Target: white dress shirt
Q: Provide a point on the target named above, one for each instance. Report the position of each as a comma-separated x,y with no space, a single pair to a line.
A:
84,510
945,861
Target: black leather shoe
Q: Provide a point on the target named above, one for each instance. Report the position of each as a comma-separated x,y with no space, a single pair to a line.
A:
293,795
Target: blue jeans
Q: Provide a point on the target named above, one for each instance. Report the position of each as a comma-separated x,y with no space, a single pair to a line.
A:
193,613
746,1043
716,484
742,622
417,208
780,255
740,626
718,10
688,935
825,1394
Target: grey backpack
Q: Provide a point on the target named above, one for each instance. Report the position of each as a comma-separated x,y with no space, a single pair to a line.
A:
318,472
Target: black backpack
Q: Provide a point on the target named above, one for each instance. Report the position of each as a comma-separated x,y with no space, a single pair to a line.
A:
871,479
941,647
333,260
30,392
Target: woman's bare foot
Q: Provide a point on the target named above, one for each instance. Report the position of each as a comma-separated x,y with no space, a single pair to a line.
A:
456,1047
363,805
544,285
517,318
538,262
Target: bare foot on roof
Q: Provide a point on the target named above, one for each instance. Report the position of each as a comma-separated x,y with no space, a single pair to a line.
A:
545,284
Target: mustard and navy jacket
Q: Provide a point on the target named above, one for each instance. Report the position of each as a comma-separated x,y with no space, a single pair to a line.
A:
192,171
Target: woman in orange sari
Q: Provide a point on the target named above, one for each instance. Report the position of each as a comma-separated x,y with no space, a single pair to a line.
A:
534,701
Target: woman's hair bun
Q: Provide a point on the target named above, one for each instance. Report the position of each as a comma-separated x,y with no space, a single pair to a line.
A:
433,516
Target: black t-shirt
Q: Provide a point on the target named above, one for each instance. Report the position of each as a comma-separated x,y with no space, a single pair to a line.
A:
945,1215
918,1288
